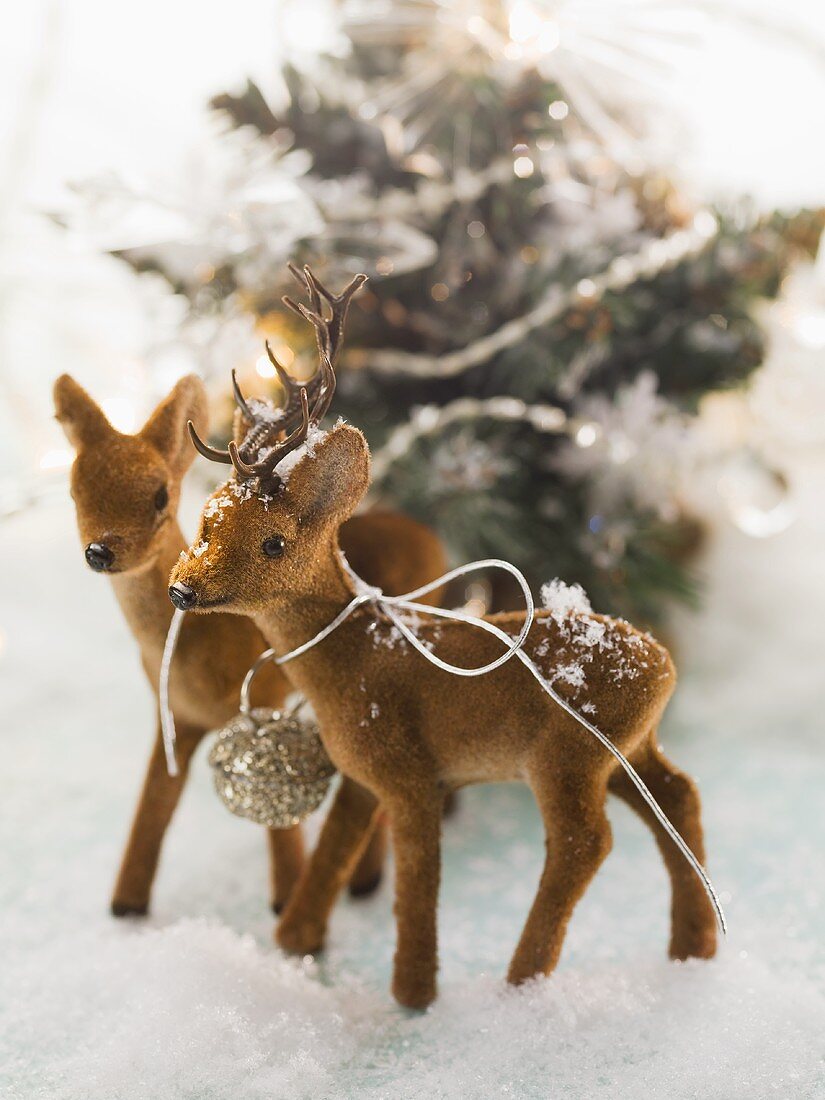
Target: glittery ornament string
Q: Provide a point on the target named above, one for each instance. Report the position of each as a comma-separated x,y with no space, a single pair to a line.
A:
390,604
654,257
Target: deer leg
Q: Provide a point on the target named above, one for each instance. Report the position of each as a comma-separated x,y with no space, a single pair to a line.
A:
155,808
416,835
693,925
303,926
367,875
578,839
286,861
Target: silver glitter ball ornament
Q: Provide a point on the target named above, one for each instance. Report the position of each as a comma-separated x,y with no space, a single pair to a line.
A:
271,768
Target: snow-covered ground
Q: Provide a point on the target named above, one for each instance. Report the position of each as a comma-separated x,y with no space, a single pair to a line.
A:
196,1002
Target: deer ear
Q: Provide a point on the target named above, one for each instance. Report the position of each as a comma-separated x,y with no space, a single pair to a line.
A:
80,417
166,430
329,484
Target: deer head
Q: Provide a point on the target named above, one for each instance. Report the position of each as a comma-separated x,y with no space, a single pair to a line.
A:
265,533
126,488
257,549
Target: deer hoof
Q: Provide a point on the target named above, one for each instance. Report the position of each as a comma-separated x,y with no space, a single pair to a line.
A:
363,888
694,943
128,909
417,993
300,939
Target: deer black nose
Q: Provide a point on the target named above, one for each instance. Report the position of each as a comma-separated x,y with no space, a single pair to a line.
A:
99,556
182,596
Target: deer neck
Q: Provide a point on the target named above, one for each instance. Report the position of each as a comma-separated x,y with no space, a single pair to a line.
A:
143,594
286,628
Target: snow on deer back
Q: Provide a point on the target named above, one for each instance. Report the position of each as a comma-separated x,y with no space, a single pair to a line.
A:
592,659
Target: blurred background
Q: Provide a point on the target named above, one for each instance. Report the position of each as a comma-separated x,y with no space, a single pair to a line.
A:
575,217
592,343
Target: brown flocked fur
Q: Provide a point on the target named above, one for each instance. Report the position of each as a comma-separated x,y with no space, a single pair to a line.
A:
115,479
403,732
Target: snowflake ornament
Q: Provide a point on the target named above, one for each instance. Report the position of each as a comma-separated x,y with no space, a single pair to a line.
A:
636,449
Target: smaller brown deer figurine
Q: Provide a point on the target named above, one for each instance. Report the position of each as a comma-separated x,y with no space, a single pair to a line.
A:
126,490
403,732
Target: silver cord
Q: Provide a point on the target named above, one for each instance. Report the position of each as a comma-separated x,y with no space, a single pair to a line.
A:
167,720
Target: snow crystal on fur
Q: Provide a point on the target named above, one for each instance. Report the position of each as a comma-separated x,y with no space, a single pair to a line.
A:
561,599
315,435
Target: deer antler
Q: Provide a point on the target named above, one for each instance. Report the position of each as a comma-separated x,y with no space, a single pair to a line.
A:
329,337
263,426
212,453
257,438
305,404
264,468
329,332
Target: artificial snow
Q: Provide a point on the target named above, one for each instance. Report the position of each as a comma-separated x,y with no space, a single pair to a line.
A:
562,599
196,1002
622,654
223,498
572,674
315,436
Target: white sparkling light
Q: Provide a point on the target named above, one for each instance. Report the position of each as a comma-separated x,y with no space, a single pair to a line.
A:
705,223
530,31
264,368
523,167
587,435
810,330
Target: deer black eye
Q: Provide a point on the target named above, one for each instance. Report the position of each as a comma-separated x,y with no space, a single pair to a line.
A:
161,498
274,546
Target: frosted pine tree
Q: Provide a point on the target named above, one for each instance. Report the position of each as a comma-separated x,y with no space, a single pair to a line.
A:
543,315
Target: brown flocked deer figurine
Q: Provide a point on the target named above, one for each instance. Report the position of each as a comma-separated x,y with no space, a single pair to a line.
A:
403,732
126,489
